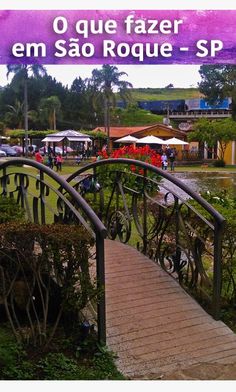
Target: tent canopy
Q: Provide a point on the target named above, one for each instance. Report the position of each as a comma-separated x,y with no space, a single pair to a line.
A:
72,136
175,141
127,139
151,140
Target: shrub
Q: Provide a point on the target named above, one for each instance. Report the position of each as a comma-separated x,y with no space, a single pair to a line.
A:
219,163
10,210
44,278
225,203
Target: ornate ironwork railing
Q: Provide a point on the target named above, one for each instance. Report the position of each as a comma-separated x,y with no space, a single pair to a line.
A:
151,209
47,198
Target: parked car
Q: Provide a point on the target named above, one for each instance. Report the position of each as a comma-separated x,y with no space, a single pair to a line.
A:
18,149
58,150
2,153
8,150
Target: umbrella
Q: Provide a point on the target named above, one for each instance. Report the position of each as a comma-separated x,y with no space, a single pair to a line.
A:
127,139
175,141
151,140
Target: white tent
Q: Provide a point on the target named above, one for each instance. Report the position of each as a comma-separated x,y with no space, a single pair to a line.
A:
174,141
72,136
151,140
127,139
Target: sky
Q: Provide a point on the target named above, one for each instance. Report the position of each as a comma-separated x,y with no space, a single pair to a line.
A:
155,76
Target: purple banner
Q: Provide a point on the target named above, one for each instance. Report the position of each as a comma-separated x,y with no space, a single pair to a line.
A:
118,37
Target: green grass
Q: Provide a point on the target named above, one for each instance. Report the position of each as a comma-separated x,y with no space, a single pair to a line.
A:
134,117
153,94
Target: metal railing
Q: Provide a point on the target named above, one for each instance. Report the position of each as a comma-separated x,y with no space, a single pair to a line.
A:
149,208
48,198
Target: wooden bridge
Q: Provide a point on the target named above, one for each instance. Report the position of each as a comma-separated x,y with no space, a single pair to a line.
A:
156,329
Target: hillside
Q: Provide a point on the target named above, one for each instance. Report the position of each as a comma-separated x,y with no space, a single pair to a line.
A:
159,94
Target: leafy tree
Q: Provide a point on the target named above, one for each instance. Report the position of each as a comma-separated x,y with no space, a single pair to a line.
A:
15,115
105,80
51,107
218,82
21,75
211,132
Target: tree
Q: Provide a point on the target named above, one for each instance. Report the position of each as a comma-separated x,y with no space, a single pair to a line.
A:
50,107
218,82
21,74
105,80
213,132
15,115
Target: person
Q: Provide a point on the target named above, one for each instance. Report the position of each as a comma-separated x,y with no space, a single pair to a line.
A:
39,159
164,161
38,156
58,161
78,159
172,160
50,161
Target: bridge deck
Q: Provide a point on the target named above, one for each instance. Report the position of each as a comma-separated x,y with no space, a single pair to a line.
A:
157,330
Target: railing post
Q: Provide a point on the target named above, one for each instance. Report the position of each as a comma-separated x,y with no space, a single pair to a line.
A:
101,306
217,270
144,212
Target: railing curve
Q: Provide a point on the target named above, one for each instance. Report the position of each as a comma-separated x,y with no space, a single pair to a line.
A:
60,202
164,218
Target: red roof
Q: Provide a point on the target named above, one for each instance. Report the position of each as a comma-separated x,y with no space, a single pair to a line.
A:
116,132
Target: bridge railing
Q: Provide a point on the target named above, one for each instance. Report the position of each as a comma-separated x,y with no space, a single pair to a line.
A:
48,198
152,210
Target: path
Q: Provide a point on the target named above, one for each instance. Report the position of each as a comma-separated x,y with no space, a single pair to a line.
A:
157,330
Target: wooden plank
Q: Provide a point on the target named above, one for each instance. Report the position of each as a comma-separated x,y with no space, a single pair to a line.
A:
154,326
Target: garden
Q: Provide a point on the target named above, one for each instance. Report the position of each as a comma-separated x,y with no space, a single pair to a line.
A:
45,290
45,283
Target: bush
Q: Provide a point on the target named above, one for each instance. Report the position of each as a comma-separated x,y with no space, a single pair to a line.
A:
225,203
44,278
10,210
219,163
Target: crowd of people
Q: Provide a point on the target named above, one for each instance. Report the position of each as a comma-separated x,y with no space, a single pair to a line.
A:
168,156
52,159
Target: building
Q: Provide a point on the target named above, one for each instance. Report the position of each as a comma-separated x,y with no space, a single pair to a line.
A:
162,131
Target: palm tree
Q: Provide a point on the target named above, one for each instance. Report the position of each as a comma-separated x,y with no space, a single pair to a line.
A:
105,80
21,74
15,114
50,107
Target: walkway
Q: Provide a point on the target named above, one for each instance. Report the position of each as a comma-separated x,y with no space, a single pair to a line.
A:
157,330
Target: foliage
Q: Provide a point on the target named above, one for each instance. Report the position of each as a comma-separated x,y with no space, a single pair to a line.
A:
15,114
133,116
219,163
144,154
44,278
219,81
50,108
97,134
133,174
60,363
10,210
225,203
13,363
213,132
20,133
161,94
107,78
